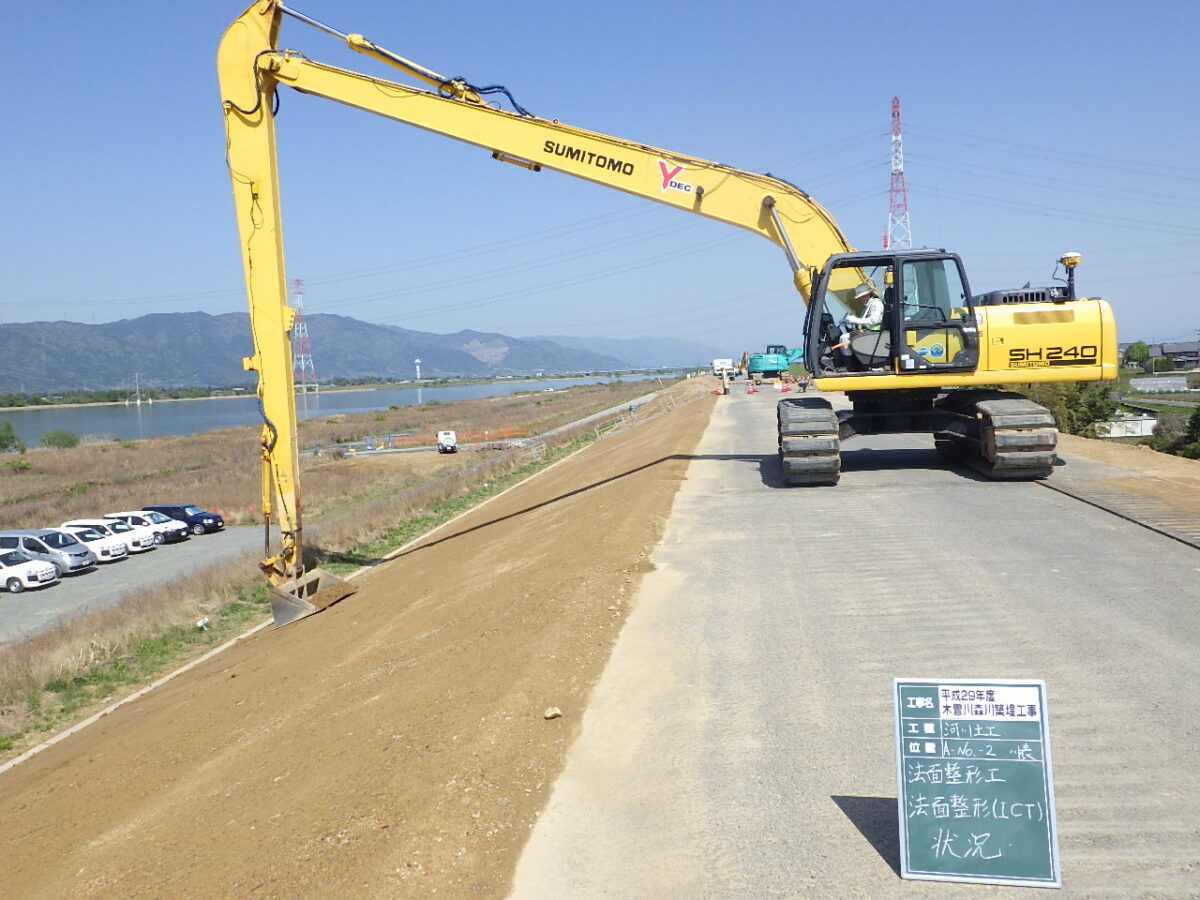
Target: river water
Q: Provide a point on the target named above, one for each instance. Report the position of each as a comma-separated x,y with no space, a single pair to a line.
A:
176,417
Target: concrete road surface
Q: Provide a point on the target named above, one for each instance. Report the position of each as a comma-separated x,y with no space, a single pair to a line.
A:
739,744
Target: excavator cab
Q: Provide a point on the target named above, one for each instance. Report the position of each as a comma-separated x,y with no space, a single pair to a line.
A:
928,320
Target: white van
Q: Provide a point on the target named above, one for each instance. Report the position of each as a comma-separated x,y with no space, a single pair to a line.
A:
107,547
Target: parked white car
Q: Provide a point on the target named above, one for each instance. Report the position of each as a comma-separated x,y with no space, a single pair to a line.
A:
137,539
19,571
107,547
165,528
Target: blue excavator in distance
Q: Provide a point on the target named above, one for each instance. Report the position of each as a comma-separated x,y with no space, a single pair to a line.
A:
773,364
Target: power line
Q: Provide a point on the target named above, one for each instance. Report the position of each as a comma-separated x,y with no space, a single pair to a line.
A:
1043,152
587,278
1105,190
1052,212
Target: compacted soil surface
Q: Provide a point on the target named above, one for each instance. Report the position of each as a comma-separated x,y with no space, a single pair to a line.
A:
400,743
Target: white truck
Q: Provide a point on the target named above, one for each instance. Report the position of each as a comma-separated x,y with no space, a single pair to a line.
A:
724,368
447,442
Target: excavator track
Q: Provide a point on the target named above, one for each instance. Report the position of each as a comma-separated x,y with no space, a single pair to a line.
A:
1016,439
809,446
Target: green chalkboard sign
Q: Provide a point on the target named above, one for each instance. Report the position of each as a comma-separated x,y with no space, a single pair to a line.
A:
974,784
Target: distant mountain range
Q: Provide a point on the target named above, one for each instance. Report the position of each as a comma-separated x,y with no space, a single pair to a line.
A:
189,349
667,351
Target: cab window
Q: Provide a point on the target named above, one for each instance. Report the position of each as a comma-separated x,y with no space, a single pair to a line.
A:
933,291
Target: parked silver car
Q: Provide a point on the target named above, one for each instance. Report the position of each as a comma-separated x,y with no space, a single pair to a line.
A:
51,545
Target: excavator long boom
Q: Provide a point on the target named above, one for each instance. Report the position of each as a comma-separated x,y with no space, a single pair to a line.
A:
251,69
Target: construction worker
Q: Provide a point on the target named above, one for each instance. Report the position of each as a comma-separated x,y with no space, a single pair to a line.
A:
871,318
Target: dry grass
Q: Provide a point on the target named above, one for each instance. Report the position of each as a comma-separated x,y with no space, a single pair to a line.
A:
219,469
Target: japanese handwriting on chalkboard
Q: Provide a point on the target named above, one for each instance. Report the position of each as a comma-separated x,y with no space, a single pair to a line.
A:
945,841
950,773
976,799
958,806
969,730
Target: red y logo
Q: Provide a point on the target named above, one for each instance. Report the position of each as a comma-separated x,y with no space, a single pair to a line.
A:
667,174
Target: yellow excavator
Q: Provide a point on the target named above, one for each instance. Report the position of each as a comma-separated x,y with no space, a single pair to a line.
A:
929,362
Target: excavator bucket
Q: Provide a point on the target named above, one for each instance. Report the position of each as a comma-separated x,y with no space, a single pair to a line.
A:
310,593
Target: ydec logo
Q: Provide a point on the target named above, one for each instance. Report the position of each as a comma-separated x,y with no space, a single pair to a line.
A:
669,181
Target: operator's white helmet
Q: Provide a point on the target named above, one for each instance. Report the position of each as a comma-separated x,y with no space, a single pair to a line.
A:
863,291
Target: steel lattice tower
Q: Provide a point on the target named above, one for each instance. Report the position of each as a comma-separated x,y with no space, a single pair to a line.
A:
303,373
899,232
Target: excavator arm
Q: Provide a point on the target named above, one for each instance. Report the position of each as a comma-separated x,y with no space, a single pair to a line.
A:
251,69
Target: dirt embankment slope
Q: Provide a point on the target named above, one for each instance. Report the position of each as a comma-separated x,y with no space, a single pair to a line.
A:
394,745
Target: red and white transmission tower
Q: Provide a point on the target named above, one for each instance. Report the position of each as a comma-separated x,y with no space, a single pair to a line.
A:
899,233
303,372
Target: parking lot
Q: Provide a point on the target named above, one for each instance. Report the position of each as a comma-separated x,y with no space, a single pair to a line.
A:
27,613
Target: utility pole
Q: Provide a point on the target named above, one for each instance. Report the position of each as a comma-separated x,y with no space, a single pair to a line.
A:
899,233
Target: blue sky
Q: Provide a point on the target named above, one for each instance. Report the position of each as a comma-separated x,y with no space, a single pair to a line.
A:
1030,129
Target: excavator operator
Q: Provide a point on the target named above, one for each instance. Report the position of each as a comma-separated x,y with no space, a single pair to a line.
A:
871,317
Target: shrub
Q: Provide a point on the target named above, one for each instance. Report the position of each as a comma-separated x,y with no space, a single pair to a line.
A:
60,438
1076,407
18,465
9,439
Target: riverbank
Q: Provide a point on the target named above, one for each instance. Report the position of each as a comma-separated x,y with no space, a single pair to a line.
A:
108,422
427,384
219,469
